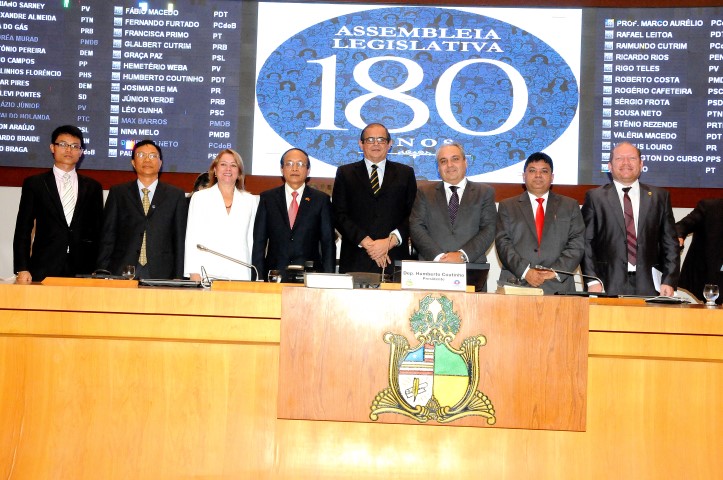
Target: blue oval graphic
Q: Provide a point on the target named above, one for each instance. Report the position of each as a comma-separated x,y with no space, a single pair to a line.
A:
429,74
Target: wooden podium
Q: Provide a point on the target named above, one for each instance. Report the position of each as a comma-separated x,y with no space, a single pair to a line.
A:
530,366
153,383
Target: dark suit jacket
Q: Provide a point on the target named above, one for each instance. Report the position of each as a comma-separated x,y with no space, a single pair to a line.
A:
358,213
605,239
563,239
124,223
473,230
277,245
57,249
705,256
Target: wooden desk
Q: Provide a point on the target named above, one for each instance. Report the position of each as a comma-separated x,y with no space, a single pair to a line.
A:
166,384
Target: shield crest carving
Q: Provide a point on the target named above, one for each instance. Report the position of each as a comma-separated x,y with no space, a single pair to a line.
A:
433,380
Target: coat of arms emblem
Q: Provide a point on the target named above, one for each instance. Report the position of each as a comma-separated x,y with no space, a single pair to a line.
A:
434,380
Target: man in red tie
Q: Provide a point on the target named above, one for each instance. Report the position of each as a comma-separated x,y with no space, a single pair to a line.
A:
542,228
294,222
630,231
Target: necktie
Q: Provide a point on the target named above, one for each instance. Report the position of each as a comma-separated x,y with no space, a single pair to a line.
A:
374,179
632,241
68,199
142,258
539,220
293,209
453,204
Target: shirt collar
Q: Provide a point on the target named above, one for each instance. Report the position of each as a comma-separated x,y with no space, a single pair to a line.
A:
290,190
619,186
461,185
381,165
59,174
151,188
533,197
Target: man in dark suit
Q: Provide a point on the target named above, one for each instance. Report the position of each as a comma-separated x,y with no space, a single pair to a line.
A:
454,220
144,221
704,261
540,227
371,200
277,242
629,230
66,210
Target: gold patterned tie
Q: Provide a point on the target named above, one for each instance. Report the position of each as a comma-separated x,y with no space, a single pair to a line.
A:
374,179
142,258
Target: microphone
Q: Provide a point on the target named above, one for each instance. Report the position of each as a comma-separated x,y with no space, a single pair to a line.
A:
235,260
562,272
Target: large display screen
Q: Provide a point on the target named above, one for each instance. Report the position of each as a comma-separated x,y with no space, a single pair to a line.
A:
198,77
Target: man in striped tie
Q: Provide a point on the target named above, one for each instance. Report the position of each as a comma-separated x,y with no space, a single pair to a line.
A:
59,217
372,199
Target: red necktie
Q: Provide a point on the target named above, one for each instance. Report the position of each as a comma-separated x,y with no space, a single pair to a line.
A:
539,220
293,208
632,239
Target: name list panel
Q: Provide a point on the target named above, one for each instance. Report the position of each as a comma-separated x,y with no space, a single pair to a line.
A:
121,73
660,86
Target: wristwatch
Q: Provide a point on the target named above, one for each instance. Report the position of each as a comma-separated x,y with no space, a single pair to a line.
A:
464,257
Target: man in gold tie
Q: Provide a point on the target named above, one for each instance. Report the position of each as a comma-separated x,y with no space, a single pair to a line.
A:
372,199
144,221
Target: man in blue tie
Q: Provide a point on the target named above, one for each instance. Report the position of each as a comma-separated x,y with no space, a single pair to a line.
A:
454,220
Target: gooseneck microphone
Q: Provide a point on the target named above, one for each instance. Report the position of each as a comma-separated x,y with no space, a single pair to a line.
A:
562,272
235,260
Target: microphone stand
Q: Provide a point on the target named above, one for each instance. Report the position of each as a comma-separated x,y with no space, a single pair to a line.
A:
562,272
235,260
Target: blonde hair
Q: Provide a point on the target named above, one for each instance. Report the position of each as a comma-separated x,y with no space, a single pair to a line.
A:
212,180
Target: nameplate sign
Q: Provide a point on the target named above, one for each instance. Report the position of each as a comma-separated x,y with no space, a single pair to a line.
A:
434,276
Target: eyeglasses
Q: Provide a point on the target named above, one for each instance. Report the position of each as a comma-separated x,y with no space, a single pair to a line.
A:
370,140
73,146
142,155
297,164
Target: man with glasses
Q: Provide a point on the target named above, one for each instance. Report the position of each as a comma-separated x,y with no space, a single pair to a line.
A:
630,231
144,222
540,227
294,222
56,233
372,199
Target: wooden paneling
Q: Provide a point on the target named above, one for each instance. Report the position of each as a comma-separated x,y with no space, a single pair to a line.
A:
188,389
334,360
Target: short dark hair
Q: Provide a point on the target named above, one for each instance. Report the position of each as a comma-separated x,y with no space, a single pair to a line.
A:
361,136
539,156
70,130
308,162
142,143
